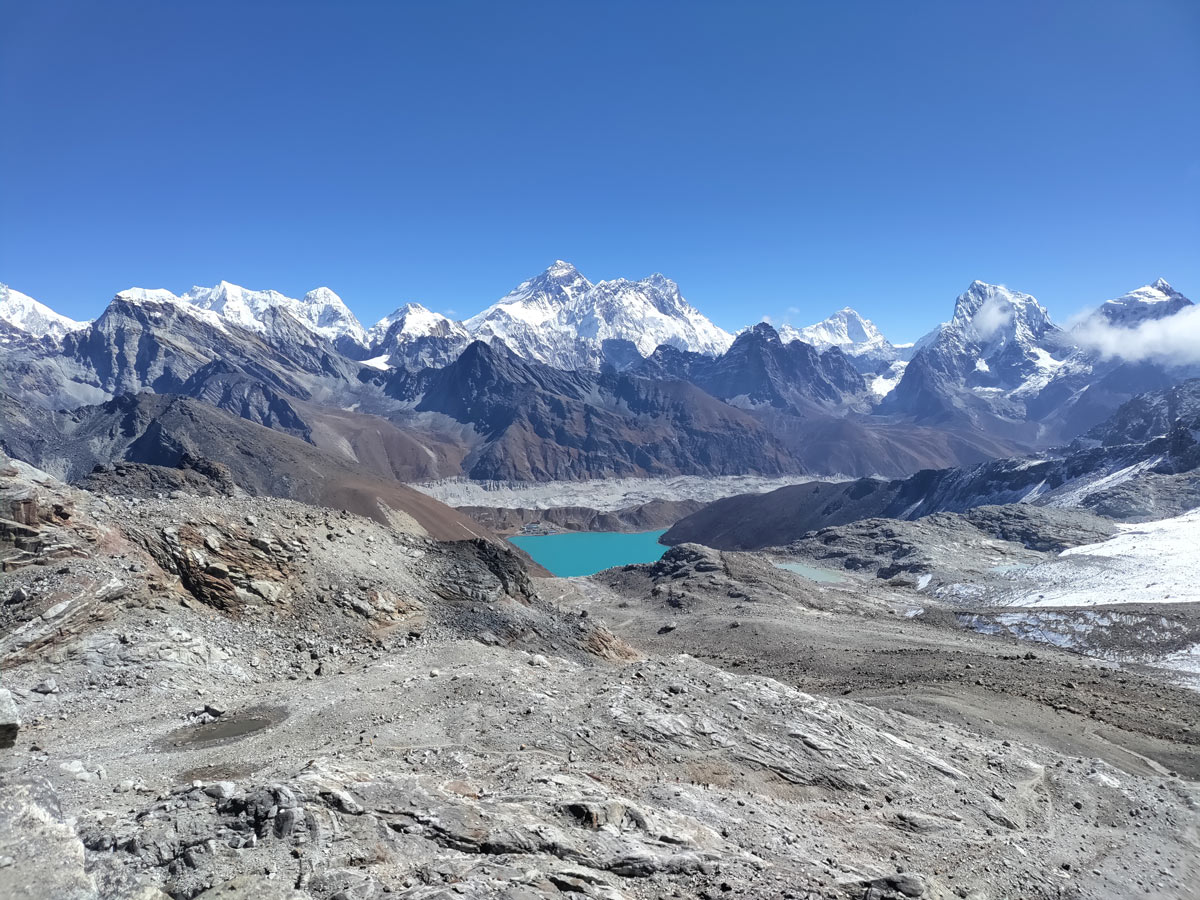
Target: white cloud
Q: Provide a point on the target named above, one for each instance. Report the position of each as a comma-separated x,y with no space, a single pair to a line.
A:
768,320
995,313
1174,339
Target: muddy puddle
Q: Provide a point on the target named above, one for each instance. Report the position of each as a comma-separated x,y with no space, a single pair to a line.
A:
225,730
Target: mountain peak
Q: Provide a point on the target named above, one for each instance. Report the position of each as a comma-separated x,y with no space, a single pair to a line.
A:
1157,291
35,319
323,294
561,269
486,354
415,320
1151,301
146,295
558,283
850,332
988,312
760,331
562,319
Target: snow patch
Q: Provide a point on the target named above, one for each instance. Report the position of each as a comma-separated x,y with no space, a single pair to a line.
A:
378,362
1153,562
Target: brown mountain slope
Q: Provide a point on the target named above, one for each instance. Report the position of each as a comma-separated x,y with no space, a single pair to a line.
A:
382,447
163,429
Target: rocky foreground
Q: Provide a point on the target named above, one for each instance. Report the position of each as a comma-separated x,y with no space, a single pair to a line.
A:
228,697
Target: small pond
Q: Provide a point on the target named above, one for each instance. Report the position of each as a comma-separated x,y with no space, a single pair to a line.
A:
813,573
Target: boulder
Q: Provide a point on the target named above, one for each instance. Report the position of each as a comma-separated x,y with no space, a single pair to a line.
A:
45,852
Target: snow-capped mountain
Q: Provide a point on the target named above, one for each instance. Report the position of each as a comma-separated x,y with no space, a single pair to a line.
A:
23,317
1152,301
999,344
330,317
999,375
846,330
562,319
416,337
1001,363
997,338
321,310
995,317
413,320
869,351
872,354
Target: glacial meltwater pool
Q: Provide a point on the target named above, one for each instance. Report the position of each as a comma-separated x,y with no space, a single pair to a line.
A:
588,552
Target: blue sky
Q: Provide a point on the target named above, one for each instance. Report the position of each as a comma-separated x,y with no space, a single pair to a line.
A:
767,156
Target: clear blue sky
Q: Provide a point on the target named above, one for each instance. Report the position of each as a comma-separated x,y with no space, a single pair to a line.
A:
765,155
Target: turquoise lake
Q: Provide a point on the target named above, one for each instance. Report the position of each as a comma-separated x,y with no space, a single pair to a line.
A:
588,552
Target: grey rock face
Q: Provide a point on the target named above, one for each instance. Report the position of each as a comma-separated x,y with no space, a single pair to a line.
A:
603,425
43,855
1041,527
760,370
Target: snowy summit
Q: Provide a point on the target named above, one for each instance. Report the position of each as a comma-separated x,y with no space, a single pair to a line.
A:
562,319
1152,301
26,317
320,310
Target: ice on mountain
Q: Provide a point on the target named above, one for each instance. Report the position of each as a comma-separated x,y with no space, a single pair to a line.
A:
28,316
855,336
562,319
321,310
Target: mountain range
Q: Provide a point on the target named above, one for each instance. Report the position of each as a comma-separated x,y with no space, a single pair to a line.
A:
563,378
1141,464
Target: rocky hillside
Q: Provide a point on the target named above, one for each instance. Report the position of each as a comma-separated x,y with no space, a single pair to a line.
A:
760,370
169,431
307,704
